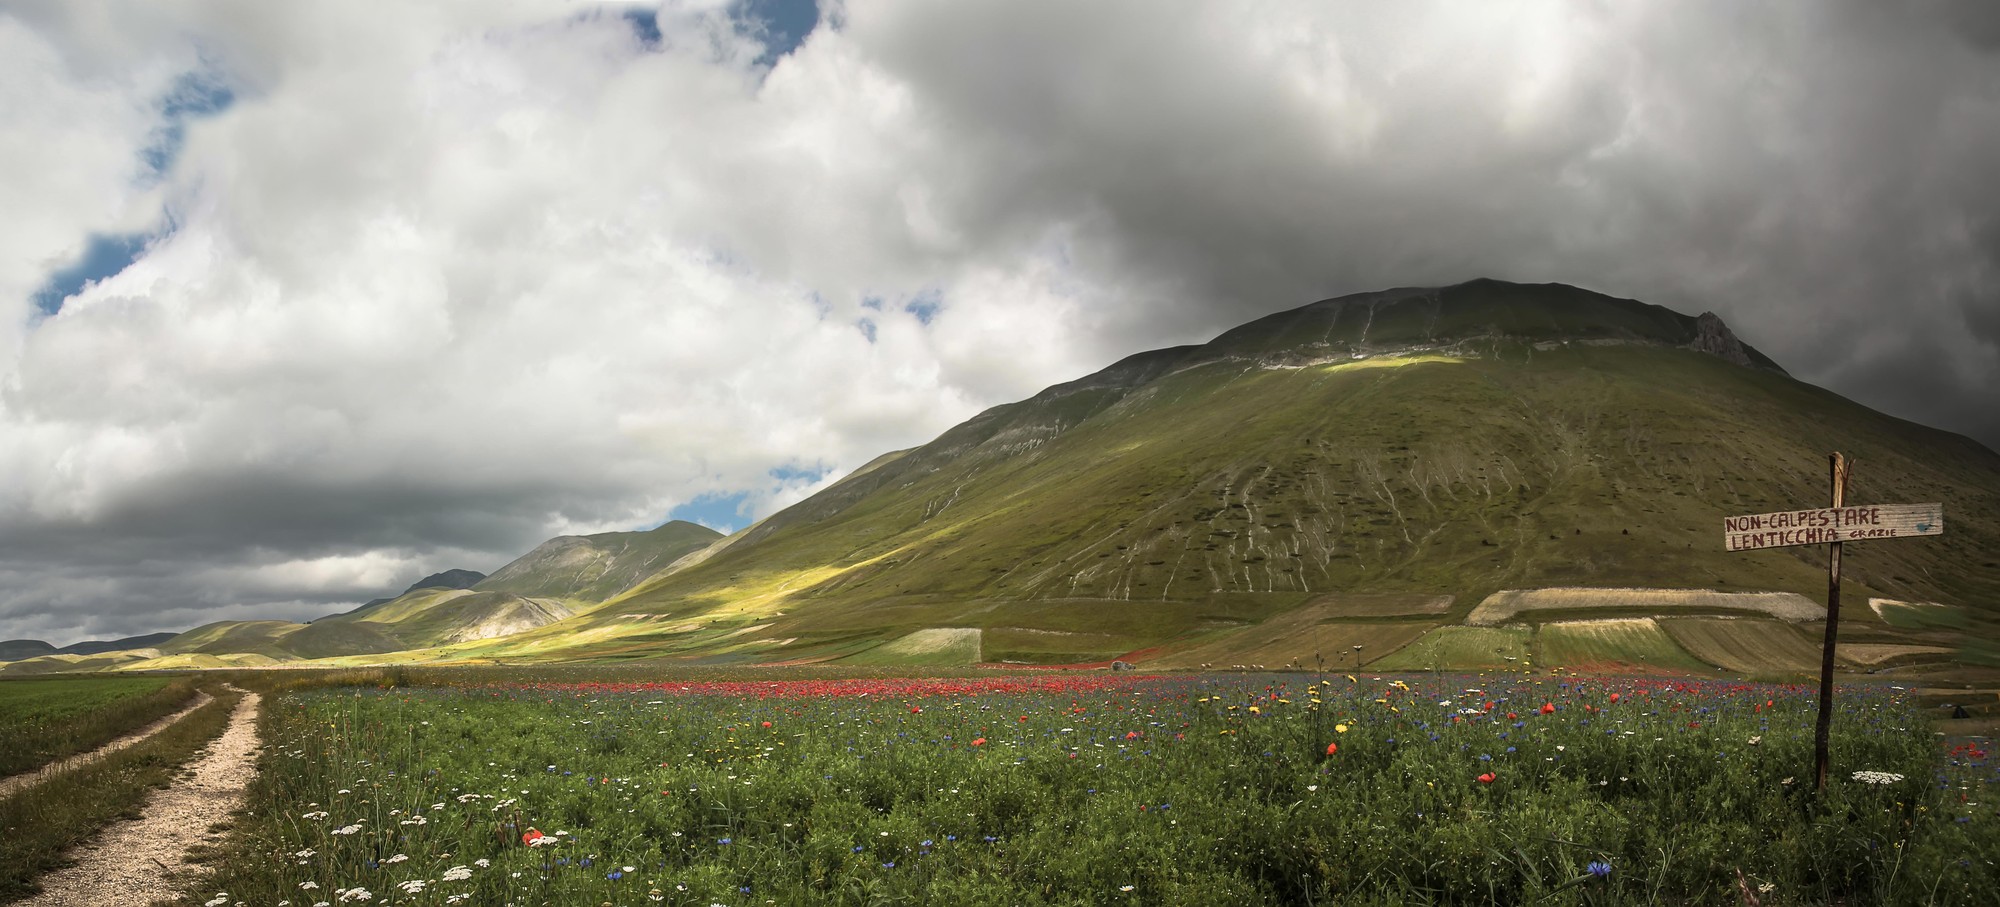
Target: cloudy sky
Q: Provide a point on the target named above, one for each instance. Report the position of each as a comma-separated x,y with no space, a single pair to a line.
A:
301,301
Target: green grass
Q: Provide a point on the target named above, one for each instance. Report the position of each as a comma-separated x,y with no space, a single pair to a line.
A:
678,793
1461,648
40,824
53,718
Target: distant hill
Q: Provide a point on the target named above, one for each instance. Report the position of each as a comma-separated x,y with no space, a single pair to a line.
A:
17,649
554,581
98,646
1317,467
449,579
595,568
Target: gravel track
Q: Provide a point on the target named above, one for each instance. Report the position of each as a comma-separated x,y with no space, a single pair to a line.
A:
137,861
8,786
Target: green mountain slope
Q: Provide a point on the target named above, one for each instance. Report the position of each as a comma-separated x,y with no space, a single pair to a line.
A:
434,617
593,568
1451,442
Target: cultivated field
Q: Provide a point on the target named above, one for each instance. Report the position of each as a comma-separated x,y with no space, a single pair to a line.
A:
1506,605
1747,646
1104,789
48,719
1462,648
1300,639
1614,645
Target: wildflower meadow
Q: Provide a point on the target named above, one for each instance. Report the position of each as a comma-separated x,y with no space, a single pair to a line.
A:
1107,789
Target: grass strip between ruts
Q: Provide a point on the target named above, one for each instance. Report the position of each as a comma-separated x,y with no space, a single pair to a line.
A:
42,823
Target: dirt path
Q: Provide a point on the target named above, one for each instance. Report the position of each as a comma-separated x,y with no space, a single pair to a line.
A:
29,779
136,861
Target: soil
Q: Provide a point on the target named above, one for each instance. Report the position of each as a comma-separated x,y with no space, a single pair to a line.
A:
29,779
137,861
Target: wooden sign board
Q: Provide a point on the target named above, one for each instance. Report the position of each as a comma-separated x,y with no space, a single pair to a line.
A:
1832,524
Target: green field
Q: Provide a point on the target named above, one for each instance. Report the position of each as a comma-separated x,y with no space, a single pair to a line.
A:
1459,648
1099,789
50,718
1598,646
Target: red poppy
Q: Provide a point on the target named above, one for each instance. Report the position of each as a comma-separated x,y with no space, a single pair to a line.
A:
767,724
1548,708
530,836
1131,735
978,741
1488,778
1332,748
1614,697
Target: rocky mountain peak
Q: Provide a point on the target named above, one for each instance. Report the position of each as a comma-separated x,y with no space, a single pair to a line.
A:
1713,337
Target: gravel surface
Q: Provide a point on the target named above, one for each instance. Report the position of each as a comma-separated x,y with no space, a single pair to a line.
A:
29,779
136,861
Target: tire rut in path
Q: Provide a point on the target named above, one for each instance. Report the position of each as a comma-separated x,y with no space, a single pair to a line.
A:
137,861
11,785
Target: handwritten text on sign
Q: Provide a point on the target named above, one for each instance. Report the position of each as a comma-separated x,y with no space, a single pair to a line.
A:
1835,524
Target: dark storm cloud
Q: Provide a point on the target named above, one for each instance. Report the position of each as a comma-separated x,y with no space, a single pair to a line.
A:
1817,173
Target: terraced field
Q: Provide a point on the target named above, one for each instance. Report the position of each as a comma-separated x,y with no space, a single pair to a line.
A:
1747,646
1612,646
1531,603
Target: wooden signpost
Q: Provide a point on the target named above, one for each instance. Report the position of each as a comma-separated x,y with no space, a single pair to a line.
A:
1830,527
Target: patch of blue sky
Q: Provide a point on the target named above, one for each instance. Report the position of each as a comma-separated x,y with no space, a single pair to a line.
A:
790,475
724,513
645,23
782,24
104,254
194,95
925,305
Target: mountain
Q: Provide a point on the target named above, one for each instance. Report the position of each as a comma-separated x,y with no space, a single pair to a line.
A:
450,579
17,649
556,580
20,649
100,646
593,568
1362,471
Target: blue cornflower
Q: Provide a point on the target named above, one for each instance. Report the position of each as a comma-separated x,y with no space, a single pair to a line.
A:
614,875
721,840
1599,868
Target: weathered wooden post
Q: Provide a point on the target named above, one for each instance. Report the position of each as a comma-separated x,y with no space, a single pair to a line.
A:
1832,526
1823,725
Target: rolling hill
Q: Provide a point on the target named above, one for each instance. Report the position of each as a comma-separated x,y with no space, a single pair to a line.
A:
1301,470
556,580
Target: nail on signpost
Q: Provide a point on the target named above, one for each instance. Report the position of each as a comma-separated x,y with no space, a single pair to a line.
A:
1830,527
